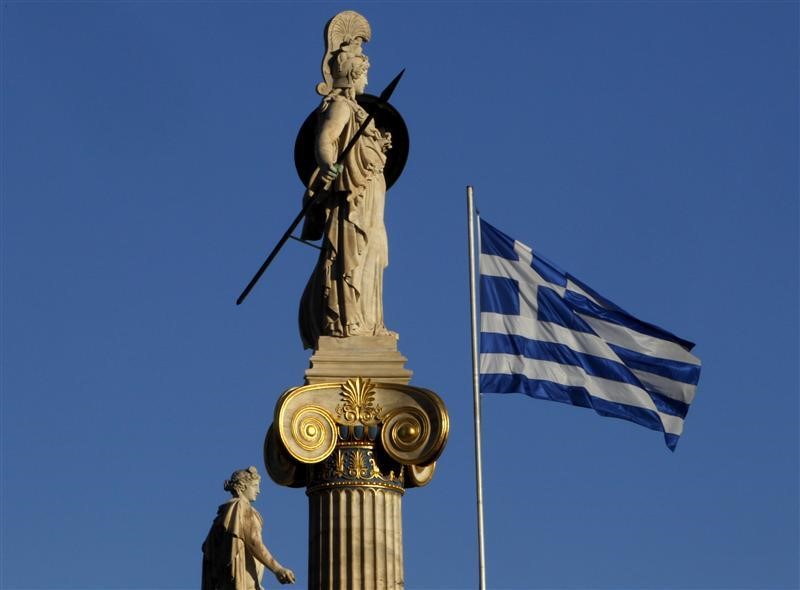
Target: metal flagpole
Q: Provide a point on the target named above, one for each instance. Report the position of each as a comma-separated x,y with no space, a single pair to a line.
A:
476,389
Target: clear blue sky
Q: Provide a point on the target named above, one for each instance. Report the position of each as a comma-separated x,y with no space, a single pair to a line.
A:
650,148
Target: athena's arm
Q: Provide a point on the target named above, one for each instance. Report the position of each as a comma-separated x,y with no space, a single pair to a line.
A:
331,124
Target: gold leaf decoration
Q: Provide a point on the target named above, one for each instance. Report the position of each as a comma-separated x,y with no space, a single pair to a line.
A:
358,403
338,470
360,468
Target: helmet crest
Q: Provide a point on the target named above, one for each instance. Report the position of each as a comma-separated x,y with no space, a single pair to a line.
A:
344,34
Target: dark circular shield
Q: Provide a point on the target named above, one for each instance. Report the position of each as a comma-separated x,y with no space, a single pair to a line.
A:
386,118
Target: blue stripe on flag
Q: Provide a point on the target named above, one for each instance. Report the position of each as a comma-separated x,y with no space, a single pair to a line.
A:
675,370
582,304
603,301
500,295
573,395
687,345
595,366
558,353
667,404
549,271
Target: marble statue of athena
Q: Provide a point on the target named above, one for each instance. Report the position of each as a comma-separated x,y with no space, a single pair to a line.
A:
344,296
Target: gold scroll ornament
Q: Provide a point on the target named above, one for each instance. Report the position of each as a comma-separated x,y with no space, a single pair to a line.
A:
413,424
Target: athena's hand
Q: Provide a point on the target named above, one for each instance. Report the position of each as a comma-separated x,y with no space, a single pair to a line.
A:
329,173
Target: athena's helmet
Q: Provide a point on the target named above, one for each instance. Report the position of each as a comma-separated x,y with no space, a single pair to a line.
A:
344,61
240,479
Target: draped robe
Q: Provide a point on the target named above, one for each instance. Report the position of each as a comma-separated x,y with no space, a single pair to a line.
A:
344,296
233,552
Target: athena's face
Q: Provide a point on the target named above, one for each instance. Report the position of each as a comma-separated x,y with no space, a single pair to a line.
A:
360,84
252,490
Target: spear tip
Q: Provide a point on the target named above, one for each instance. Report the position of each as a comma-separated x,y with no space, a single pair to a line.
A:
387,92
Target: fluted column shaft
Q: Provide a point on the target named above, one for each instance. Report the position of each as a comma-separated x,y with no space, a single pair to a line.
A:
355,539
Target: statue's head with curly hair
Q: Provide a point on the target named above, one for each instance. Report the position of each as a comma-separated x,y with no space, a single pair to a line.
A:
242,479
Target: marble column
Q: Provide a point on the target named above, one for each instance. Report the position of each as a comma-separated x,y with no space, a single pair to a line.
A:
355,536
356,445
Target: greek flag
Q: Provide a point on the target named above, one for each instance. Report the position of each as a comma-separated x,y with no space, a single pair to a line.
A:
549,336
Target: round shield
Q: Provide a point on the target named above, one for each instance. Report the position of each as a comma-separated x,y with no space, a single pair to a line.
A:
387,118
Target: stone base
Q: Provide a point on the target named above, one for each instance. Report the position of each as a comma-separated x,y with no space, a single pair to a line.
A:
370,357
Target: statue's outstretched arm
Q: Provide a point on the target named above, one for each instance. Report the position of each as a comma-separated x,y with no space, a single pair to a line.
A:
257,548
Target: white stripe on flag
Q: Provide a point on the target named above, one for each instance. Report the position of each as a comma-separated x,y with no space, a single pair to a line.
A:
683,392
643,343
583,343
533,329
606,389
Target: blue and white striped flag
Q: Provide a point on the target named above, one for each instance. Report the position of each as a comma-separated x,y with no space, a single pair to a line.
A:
547,335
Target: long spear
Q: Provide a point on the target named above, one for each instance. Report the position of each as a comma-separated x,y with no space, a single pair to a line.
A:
317,192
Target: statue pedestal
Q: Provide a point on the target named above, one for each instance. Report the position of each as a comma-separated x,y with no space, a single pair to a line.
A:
371,357
356,443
